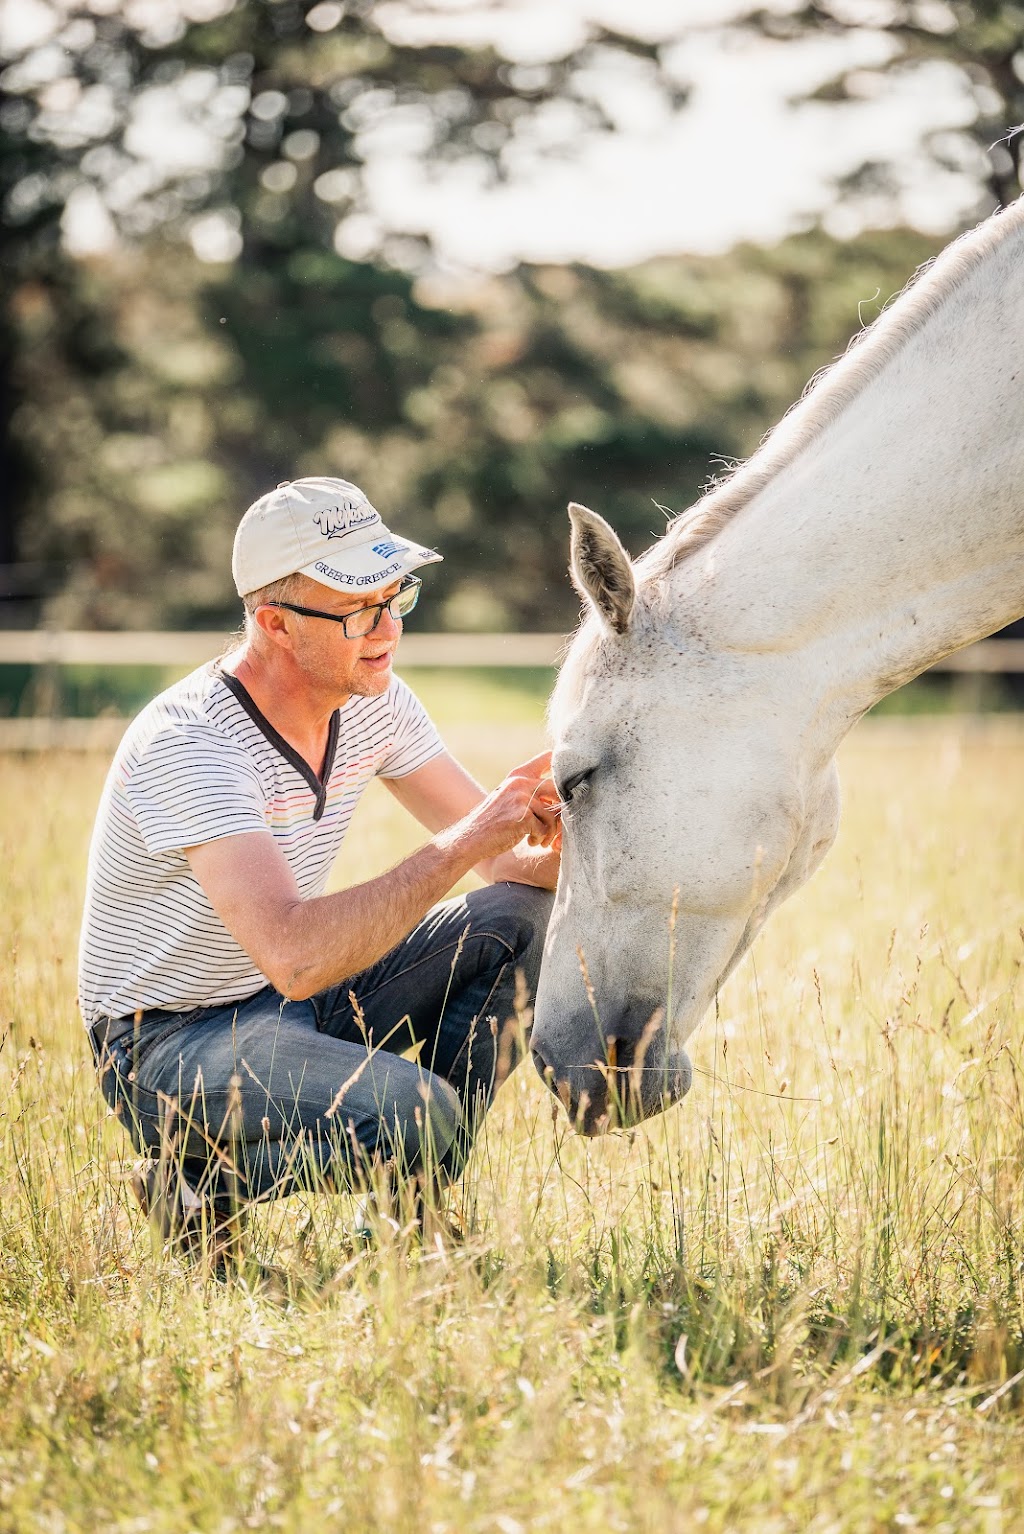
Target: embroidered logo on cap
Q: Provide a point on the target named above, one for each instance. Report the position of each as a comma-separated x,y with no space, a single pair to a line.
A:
385,550
336,521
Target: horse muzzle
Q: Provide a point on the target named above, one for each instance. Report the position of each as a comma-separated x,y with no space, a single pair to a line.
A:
624,1082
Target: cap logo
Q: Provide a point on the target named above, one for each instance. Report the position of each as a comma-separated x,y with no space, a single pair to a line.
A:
385,550
336,521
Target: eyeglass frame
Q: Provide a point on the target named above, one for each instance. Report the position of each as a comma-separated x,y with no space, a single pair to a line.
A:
409,583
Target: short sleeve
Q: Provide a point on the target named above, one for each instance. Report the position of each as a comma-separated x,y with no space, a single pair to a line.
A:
189,784
414,740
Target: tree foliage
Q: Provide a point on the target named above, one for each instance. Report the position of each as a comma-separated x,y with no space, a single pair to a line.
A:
283,99
471,415
979,44
146,397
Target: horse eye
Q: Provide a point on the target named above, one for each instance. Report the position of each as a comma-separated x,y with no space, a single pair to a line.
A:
580,781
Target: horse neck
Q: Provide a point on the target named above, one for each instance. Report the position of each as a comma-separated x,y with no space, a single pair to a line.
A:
897,534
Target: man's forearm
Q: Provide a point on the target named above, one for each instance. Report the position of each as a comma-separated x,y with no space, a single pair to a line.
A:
334,936
304,946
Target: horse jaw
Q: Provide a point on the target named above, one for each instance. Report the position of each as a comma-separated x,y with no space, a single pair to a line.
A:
624,985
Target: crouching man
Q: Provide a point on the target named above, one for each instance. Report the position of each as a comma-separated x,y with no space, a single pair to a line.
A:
251,1031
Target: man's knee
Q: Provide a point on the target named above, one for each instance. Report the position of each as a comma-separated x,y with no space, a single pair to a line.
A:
531,909
428,1115
519,915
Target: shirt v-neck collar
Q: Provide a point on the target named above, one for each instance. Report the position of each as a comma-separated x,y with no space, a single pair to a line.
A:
318,785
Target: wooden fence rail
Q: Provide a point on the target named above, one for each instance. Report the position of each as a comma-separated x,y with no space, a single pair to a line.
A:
44,647
50,650
180,651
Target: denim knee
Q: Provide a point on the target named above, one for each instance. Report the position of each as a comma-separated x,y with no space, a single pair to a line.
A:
524,912
429,1119
519,912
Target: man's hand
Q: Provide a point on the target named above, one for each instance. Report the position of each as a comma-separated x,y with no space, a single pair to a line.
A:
524,805
443,792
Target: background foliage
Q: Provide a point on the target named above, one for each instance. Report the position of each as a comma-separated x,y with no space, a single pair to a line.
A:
147,395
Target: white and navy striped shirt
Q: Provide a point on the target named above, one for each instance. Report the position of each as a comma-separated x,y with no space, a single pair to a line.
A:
199,763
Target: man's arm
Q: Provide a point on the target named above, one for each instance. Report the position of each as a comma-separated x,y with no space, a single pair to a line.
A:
303,946
442,792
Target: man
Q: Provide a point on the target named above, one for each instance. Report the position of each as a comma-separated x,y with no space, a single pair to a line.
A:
252,1032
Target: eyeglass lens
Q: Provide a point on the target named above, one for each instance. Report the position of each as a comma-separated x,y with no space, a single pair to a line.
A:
366,619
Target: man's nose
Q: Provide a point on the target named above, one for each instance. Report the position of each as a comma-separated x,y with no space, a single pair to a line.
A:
387,627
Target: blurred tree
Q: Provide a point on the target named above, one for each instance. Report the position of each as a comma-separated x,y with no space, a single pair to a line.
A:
247,124
472,413
973,49
267,110
153,395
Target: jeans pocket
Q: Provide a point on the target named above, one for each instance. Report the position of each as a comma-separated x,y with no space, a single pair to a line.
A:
136,1108
140,1046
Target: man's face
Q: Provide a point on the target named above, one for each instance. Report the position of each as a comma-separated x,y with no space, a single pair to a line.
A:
339,665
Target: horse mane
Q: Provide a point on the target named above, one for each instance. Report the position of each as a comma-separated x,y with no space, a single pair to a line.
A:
831,391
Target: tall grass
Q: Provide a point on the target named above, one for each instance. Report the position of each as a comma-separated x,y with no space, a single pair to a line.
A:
794,1302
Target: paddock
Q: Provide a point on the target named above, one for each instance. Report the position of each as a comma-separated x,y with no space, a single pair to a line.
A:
807,1275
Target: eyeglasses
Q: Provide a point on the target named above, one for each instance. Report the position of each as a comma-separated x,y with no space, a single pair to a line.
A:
364,620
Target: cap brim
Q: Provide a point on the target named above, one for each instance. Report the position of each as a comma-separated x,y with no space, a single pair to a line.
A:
364,569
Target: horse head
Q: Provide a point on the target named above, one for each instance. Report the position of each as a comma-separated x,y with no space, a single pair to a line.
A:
690,812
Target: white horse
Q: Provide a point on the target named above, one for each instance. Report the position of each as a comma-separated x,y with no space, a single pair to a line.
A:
698,712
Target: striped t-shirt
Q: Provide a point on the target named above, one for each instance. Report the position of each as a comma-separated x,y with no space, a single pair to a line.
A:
201,762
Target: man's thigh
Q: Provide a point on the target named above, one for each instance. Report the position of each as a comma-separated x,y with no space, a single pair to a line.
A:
472,958
262,1074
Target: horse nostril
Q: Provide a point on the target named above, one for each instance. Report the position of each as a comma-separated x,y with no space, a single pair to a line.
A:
544,1070
621,1054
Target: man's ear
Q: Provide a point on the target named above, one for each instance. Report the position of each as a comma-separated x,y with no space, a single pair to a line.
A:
272,622
600,568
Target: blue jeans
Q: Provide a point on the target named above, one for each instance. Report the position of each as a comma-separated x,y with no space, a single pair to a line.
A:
261,1097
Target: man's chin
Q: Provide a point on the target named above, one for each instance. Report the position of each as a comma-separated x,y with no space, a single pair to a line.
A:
370,680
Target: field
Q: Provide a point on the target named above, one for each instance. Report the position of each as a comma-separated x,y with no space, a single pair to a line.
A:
794,1303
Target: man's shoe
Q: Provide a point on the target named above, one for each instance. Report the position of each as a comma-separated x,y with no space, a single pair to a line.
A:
190,1223
429,1222
369,1221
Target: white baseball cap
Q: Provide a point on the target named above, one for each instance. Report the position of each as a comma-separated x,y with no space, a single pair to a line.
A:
324,528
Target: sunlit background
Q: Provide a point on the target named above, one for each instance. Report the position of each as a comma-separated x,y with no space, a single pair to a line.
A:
481,259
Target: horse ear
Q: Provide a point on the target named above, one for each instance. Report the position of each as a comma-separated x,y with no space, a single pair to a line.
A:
600,568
